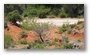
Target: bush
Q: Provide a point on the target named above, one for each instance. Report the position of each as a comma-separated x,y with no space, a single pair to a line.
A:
38,41
64,28
66,46
5,24
82,25
69,31
62,13
79,22
23,33
25,26
55,40
14,16
65,38
38,46
8,41
78,40
43,11
36,11
30,12
73,25
52,43
29,46
80,16
23,42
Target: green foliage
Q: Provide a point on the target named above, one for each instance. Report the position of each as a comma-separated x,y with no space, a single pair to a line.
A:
14,16
82,25
42,10
79,22
35,26
38,41
73,25
65,38
55,40
36,11
29,46
78,40
30,12
25,26
8,41
62,13
74,10
79,28
37,45
69,31
52,43
23,42
51,16
66,46
23,33
64,27
5,23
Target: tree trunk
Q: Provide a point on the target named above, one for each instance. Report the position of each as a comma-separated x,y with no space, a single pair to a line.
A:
41,38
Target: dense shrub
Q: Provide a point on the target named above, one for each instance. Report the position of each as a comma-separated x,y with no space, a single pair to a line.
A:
82,25
37,45
73,25
30,12
79,22
23,33
25,26
66,46
36,11
55,40
78,40
8,41
64,27
69,31
42,10
23,42
62,13
52,43
5,24
29,45
65,38
14,16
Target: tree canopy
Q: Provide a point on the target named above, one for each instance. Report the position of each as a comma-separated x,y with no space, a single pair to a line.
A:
44,10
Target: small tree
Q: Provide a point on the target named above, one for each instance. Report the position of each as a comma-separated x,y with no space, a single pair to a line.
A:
39,28
14,16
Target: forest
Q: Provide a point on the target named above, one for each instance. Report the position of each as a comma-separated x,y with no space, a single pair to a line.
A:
35,10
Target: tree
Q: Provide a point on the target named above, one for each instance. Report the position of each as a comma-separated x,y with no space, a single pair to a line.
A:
14,16
36,11
39,28
62,13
